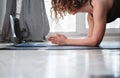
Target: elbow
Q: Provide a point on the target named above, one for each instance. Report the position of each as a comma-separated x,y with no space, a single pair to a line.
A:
95,42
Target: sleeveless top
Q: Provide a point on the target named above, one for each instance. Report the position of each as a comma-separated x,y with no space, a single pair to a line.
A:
114,12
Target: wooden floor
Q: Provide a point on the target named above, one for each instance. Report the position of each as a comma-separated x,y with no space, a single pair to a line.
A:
60,63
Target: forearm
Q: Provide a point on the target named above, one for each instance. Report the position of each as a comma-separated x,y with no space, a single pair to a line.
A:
82,42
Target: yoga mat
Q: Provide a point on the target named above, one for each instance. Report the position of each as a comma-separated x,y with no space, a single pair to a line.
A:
49,46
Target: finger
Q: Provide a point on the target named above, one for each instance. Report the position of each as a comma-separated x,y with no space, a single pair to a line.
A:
59,35
51,38
54,42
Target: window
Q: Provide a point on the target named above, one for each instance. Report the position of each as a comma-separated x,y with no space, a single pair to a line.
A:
19,3
73,24
114,24
111,28
68,24
77,24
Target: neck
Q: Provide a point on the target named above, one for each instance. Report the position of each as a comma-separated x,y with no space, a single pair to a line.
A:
86,7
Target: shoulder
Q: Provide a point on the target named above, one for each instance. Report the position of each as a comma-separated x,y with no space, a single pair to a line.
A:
100,9
99,5
102,3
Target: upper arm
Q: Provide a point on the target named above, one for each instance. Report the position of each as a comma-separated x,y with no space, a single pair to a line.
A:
90,19
90,24
99,18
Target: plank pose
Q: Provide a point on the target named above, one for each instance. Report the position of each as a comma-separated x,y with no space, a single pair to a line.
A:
99,12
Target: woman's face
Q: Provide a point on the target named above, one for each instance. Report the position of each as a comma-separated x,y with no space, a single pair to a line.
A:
75,11
82,9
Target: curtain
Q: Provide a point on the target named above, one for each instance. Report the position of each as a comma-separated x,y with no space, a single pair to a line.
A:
10,10
2,12
34,23
33,20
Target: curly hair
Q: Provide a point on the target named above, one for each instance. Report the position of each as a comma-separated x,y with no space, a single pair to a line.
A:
61,7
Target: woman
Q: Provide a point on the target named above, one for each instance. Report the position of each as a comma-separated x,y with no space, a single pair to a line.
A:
99,12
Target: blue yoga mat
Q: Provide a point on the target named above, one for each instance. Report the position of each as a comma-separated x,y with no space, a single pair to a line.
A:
49,46
34,44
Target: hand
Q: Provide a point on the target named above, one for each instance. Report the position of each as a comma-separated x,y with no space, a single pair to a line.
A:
58,39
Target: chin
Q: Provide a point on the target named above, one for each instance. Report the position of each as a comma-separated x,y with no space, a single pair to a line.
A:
72,13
